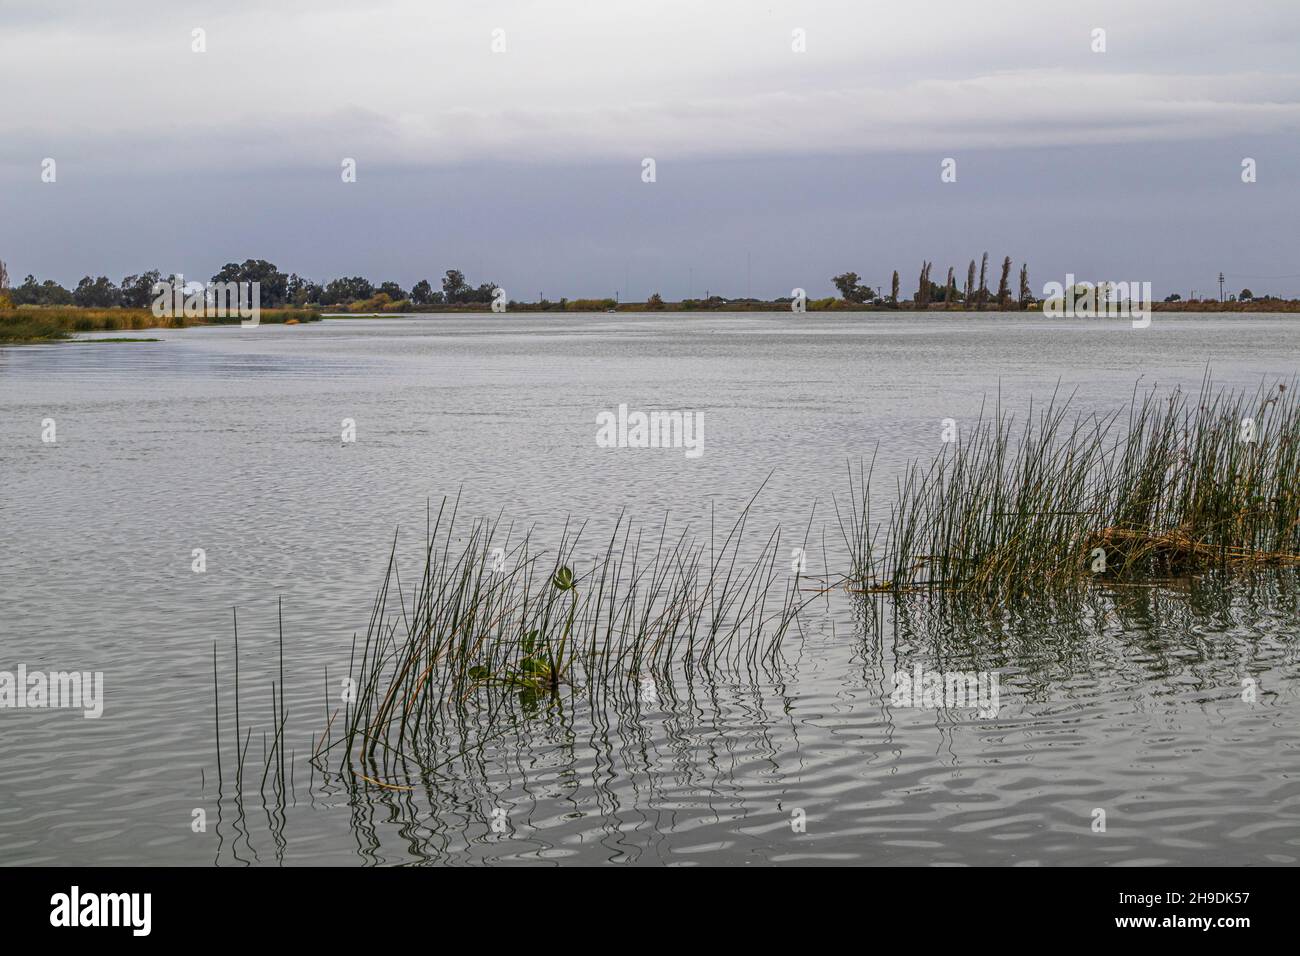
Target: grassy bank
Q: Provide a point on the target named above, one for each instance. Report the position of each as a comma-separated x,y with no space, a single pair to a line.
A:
26,325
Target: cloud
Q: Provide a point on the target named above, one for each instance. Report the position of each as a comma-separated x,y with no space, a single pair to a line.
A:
404,82
1020,109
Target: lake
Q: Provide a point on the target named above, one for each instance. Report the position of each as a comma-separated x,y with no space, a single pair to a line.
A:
232,441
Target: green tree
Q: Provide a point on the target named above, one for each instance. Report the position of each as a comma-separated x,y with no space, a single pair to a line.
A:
137,290
303,291
97,293
298,290
344,291
454,286
48,292
273,285
850,291
29,293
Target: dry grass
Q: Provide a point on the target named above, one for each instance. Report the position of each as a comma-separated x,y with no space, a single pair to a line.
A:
56,323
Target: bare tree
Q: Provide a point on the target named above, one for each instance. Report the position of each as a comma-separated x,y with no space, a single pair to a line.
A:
950,294
4,276
984,287
1025,295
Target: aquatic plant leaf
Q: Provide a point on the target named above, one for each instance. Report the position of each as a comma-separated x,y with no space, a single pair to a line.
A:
531,665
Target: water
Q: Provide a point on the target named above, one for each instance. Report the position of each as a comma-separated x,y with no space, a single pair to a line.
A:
229,440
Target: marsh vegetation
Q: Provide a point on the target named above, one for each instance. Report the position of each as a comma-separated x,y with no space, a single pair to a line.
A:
496,632
53,324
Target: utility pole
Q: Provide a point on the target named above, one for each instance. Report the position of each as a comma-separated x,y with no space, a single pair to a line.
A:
1220,286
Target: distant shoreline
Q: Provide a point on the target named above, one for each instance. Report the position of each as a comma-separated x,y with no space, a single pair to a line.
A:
28,325
1281,306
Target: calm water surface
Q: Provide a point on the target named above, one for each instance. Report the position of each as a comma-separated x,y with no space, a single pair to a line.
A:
228,440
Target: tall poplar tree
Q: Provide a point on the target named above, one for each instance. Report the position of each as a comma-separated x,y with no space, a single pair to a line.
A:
1004,285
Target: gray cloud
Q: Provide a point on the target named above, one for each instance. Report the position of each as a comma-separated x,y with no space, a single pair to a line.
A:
525,165
411,82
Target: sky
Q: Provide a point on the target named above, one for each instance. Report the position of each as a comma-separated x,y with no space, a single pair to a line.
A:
791,141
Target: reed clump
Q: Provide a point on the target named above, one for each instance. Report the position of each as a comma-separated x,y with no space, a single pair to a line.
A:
495,627
53,324
1184,482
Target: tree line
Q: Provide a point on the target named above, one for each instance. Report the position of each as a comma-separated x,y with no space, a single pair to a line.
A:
970,296
276,289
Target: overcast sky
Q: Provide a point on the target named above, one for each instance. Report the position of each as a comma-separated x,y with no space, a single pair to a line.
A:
775,168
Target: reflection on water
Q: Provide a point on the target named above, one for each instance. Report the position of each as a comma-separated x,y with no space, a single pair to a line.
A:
1170,707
